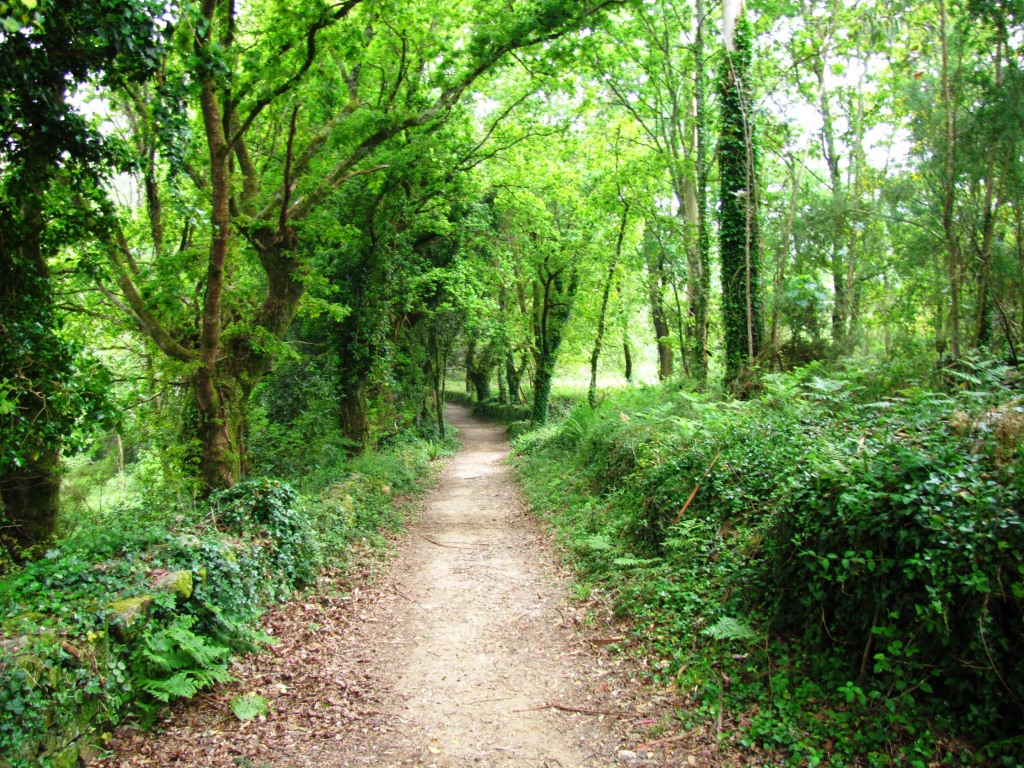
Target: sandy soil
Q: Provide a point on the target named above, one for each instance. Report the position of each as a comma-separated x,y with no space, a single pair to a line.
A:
466,651
482,643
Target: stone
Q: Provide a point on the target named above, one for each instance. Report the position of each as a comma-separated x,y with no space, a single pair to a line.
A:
89,753
126,613
178,582
66,758
627,755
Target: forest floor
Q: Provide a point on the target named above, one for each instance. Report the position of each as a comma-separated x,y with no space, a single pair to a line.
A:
462,650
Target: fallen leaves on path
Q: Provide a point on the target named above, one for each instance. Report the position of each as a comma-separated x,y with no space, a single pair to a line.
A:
337,694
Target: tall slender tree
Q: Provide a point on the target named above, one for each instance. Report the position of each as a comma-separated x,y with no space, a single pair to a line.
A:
739,229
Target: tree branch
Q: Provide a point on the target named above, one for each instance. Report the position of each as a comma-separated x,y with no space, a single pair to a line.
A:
311,34
117,252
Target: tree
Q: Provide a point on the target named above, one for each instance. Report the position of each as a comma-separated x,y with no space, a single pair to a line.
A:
739,235
662,89
277,146
50,197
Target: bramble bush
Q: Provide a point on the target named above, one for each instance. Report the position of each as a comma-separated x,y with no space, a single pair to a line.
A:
852,565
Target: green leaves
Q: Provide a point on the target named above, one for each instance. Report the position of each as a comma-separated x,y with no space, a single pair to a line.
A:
173,662
865,559
248,706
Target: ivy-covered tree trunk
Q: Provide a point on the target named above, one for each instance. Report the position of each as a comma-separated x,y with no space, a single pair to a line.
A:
657,284
954,257
514,379
702,282
355,423
627,346
355,350
223,387
29,354
478,370
554,296
739,240
595,354
51,166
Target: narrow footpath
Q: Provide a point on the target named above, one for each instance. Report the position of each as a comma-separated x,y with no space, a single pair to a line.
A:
466,651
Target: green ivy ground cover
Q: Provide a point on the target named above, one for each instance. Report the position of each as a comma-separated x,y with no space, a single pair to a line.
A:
846,585
120,619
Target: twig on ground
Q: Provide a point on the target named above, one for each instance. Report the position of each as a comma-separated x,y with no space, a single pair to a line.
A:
403,596
659,742
437,543
563,708
696,488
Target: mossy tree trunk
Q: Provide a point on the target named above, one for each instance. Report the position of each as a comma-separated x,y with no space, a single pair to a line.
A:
479,364
31,355
657,284
702,281
739,238
554,292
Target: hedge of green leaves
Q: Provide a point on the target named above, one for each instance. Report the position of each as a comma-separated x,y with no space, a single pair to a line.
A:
846,585
90,636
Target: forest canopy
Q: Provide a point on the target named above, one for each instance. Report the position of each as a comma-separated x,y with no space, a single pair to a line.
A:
194,193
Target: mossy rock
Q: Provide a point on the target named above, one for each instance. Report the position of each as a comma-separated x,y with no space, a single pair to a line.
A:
23,623
180,583
517,428
66,758
126,613
90,752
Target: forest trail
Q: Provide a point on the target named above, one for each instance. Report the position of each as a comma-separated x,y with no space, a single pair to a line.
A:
478,645
464,652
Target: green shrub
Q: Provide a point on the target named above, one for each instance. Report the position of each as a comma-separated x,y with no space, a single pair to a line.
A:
263,508
870,550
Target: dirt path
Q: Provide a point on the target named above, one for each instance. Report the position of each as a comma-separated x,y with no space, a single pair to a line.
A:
465,652
481,643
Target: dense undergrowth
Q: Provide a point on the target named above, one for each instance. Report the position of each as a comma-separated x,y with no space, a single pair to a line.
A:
833,570
137,606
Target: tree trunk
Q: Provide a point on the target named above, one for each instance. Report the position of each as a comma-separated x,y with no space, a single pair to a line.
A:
33,363
440,382
701,298
663,334
786,241
31,496
983,312
542,389
953,256
514,379
478,371
556,296
657,281
627,348
739,239
605,295
220,431
502,386
840,298
355,424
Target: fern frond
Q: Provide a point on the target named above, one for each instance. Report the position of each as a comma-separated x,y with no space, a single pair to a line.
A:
728,628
